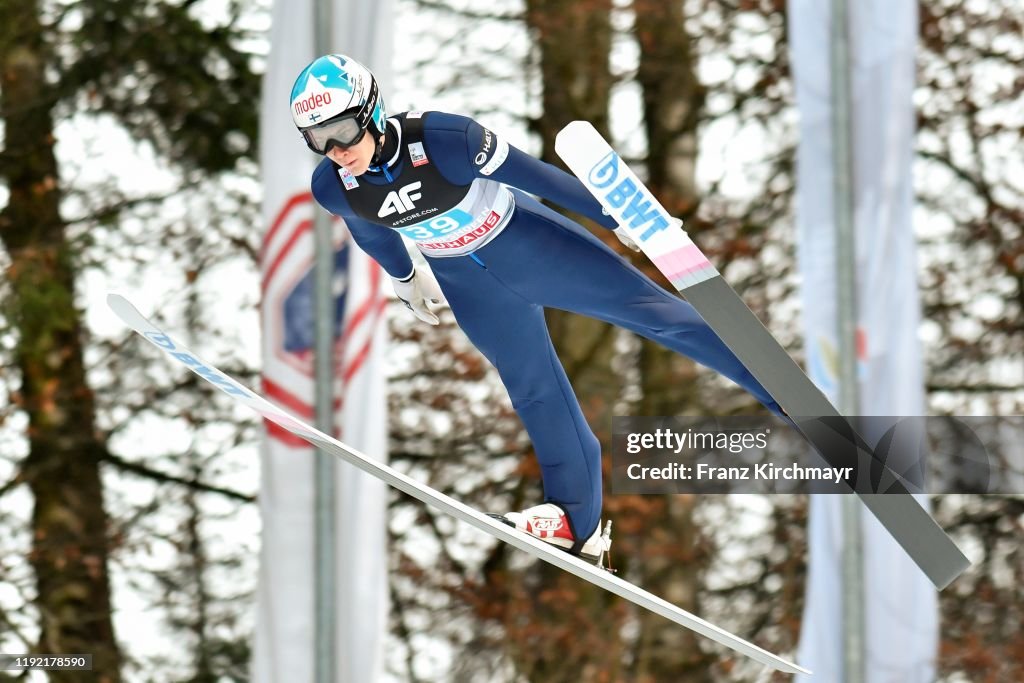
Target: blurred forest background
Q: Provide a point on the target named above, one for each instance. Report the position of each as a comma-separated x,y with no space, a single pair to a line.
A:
128,524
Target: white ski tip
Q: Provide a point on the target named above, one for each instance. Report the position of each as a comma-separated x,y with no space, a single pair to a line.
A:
123,308
797,669
572,131
128,314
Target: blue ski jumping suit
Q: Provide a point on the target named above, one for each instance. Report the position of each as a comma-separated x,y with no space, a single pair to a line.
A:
459,193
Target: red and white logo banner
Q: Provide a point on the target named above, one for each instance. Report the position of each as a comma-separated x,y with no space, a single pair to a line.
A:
283,650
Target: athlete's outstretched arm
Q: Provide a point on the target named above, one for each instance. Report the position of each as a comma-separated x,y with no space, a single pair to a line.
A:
540,178
384,245
465,150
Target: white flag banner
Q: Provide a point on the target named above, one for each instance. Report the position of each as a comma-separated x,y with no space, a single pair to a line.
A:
283,650
900,611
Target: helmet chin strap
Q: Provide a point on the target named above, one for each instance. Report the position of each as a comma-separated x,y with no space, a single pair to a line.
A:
378,147
375,160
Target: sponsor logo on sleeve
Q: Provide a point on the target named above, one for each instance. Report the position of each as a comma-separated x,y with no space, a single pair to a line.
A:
417,154
347,179
497,159
414,115
486,145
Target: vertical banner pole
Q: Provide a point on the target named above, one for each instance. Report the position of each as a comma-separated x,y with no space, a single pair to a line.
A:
846,319
325,501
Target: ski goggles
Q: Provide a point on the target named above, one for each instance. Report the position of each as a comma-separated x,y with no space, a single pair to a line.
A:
343,132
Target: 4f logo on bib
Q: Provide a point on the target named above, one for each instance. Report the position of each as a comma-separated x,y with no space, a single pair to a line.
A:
400,200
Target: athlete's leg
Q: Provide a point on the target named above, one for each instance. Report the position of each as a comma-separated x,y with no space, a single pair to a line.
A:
511,333
571,269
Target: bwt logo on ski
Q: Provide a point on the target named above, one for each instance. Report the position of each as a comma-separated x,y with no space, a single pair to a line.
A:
314,101
400,200
196,365
633,206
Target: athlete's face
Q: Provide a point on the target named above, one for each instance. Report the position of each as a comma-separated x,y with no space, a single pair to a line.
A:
355,159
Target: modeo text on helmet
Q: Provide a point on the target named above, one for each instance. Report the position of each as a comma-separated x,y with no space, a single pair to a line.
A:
314,101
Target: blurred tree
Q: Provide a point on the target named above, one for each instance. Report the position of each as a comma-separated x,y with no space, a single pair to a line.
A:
970,120
970,131
69,549
189,92
669,551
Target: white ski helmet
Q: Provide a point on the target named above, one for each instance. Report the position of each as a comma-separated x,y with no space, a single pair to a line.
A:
336,99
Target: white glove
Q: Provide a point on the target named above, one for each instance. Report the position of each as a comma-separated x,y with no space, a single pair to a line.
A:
416,290
624,237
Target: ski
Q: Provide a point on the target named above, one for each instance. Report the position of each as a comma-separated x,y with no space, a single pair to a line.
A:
672,251
498,529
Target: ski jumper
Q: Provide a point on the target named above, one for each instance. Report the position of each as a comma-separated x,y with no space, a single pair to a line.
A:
458,192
